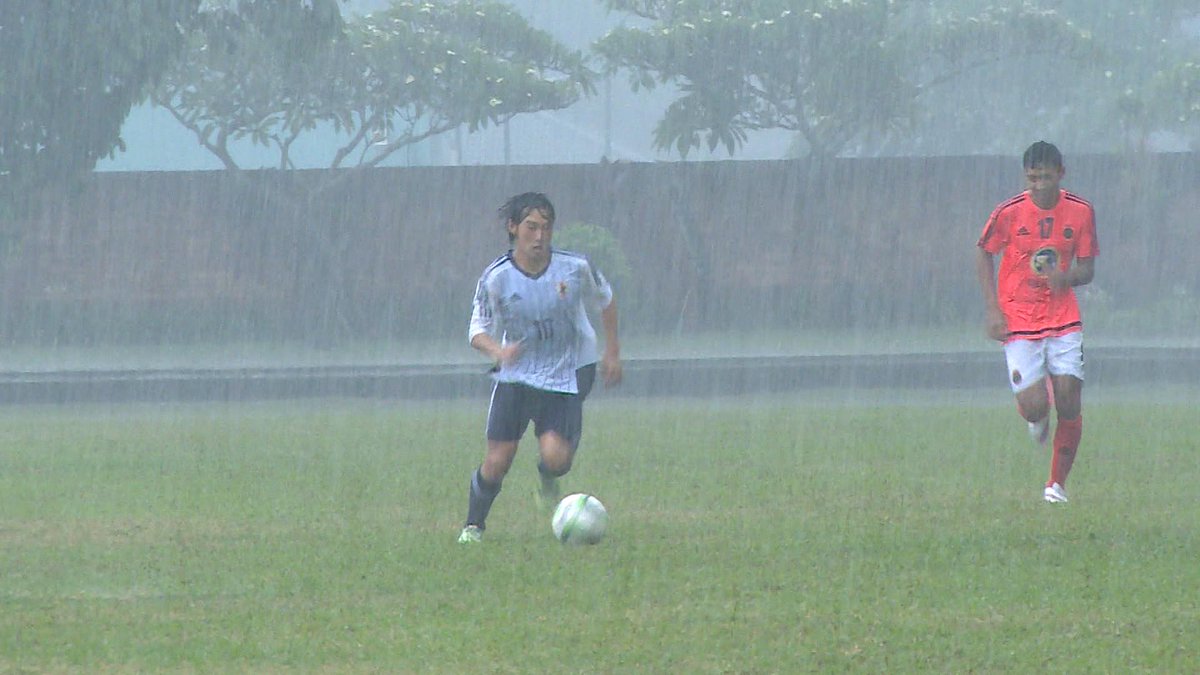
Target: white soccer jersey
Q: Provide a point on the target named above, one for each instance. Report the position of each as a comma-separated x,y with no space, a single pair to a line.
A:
547,314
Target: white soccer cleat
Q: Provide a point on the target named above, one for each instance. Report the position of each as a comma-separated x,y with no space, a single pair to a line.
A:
1040,431
472,534
1055,494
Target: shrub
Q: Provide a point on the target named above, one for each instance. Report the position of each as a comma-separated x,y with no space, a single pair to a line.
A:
602,249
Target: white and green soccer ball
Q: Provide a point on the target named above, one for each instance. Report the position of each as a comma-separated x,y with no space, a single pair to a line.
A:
579,519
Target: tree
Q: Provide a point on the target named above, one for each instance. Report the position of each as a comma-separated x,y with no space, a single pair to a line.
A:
1176,97
1149,78
840,73
1114,100
69,74
383,81
258,70
742,67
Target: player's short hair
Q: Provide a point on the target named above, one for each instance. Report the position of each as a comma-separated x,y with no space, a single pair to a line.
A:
518,207
1043,154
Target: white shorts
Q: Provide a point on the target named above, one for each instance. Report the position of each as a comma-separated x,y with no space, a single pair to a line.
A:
1031,360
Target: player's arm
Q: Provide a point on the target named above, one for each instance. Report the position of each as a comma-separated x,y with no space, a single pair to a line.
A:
482,326
1083,268
599,295
1079,274
985,272
491,348
610,362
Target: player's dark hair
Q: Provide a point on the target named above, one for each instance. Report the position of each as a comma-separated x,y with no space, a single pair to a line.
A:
1043,154
518,207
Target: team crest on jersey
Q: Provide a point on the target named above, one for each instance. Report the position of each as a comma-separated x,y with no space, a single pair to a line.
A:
1068,233
1044,260
562,290
1016,377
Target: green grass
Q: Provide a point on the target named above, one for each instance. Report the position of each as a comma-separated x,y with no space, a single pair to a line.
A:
750,536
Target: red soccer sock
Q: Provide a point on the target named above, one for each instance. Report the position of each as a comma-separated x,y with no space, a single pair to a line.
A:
1066,442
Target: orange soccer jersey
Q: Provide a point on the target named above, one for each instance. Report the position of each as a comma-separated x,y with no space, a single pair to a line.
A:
1031,240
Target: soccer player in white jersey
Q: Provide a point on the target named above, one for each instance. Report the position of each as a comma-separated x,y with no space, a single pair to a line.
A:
530,316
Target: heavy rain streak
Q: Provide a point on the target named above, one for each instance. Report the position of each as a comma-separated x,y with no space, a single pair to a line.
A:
872,324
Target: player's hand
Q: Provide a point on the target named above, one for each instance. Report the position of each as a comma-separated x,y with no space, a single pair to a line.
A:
509,353
997,327
610,370
1058,280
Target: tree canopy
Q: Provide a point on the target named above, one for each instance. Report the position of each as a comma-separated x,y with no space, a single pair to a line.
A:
383,81
846,76
69,74
257,70
866,76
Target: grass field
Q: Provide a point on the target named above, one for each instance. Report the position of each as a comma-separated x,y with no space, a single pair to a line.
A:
793,534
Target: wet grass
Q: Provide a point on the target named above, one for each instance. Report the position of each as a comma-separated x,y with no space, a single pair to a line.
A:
772,535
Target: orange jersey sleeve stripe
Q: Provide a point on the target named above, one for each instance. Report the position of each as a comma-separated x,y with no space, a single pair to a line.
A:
989,230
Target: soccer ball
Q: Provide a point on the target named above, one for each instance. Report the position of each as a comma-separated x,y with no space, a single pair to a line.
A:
579,519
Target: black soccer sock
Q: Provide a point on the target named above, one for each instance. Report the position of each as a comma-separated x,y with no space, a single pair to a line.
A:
482,494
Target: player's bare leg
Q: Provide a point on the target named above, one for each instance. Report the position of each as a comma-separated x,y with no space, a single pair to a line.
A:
1068,395
498,460
556,455
485,486
1034,403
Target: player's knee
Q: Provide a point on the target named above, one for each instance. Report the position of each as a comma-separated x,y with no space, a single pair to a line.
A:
1034,413
560,469
557,456
557,463
1033,408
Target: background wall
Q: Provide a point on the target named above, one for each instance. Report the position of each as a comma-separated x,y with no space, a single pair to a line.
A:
392,253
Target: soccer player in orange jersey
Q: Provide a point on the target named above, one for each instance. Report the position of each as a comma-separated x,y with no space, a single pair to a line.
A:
1046,239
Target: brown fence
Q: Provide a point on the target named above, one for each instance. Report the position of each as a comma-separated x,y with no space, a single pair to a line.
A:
328,256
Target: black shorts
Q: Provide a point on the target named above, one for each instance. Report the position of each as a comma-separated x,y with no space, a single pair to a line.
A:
514,405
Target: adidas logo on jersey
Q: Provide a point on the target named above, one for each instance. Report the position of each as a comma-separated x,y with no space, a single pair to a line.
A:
1022,232
505,303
